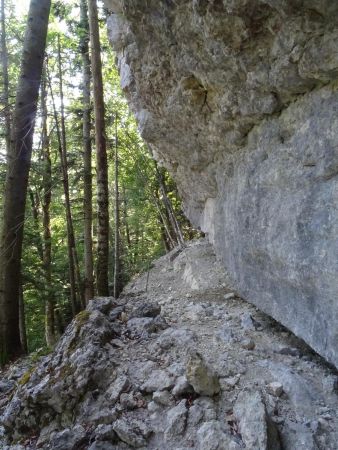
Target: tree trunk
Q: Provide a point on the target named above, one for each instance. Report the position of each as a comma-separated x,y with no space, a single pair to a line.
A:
72,255
62,141
168,206
155,198
4,63
101,155
34,198
47,238
19,159
125,219
71,269
22,321
87,156
165,239
164,220
117,262
59,323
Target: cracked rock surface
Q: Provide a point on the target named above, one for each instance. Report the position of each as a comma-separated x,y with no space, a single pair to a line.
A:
238,99
112,386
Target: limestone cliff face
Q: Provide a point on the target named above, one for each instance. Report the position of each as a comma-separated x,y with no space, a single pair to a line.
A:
239,100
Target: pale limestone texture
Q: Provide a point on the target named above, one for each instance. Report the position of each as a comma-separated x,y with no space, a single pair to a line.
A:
238,99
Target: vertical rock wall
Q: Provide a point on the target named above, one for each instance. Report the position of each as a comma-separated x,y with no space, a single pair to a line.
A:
239,100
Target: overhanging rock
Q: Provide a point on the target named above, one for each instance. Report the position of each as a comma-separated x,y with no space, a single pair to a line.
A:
239,100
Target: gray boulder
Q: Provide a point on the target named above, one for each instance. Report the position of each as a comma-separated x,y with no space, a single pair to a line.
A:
133,433
243,115
176,421
212,436
256,430
68,439
158,381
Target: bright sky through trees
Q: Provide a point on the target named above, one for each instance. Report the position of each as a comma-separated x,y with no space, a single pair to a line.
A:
22,6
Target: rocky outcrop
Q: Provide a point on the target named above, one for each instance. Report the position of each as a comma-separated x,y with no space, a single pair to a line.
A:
238,99
168,368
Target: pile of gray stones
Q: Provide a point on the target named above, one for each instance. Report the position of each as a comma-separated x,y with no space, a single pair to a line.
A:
178,362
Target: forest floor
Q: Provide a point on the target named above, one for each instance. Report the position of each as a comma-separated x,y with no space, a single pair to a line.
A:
178,362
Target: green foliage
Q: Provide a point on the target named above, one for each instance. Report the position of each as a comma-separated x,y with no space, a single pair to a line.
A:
144,220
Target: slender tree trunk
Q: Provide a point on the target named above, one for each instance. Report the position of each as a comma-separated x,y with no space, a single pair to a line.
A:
169,222
165,239
136,241
73,297
101,155
163,219
117,263
155,198
4,63
76,300
87,156
125,218
47,238
167,203
22,321
59,322
69,217
79,283
19,159
35,213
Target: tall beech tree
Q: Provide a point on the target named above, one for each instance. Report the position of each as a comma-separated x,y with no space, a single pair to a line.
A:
78,300
47,238
5,77
62,149
87,154
102,264
18,166
22,322
117,258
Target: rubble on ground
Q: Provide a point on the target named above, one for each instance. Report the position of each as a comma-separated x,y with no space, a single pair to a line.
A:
154,370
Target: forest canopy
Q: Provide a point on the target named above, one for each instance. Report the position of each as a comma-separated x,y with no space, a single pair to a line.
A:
98,209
